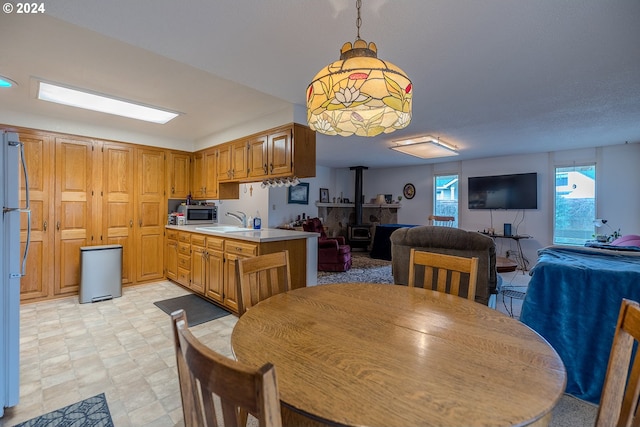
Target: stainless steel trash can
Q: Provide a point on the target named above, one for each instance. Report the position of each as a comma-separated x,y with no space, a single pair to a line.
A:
100,273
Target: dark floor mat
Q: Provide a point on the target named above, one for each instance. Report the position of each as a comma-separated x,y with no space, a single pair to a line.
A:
198,309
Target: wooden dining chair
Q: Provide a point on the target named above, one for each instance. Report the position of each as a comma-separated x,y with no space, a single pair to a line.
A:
261,277
204,375
442,221
447,269
621,390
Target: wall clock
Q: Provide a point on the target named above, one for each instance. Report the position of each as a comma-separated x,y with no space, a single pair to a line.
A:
409,191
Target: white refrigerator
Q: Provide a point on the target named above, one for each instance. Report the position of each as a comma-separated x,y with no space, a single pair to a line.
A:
13,264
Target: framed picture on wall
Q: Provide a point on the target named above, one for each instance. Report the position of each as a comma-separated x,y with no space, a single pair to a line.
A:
324,195
299,194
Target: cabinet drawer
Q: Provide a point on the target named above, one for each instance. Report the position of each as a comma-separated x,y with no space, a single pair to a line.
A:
184,276
198,240
184,248
184,262
184,237
172,234
215,243
241,248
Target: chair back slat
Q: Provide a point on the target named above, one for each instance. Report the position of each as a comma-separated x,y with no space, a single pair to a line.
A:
621,390
449,270
261,277
204,374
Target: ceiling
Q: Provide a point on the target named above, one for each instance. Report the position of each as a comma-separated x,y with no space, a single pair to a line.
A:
493,77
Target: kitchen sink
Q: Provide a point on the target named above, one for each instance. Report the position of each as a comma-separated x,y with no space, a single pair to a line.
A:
223,228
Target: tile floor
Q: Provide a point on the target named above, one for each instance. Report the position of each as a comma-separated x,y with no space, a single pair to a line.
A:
122,347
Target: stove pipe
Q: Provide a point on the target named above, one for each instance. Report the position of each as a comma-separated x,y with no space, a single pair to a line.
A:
358,193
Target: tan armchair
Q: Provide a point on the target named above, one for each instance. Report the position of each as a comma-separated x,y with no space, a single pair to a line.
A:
448,241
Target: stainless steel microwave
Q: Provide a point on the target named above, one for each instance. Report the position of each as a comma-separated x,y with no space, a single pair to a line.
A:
199,214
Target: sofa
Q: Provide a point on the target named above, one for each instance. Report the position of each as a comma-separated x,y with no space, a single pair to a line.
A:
333,252
449,241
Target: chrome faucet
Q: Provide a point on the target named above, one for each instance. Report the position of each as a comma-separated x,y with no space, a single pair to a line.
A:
240,216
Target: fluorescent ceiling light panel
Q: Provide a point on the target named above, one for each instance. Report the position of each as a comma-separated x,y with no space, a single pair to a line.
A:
91,101
425,147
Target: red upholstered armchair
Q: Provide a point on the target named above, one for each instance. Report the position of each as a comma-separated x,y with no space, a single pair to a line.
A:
333,252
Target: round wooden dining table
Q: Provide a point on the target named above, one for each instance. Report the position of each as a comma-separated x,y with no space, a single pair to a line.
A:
362,354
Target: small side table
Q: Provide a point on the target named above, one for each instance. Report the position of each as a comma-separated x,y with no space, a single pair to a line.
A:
511,294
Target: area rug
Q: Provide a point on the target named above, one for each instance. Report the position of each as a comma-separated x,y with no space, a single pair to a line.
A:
91,412
198,309
363,269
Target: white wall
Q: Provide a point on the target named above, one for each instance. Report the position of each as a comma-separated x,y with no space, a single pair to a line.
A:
617,191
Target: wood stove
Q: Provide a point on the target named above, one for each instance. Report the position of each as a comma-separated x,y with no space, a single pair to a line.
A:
358,233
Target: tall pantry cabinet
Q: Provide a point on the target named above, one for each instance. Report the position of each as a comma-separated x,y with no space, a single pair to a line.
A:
60,179
88,192
151,213
39,155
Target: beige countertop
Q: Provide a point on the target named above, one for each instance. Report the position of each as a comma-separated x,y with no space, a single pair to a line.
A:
234,232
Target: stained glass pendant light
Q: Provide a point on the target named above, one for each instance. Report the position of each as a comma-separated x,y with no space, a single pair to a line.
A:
359,94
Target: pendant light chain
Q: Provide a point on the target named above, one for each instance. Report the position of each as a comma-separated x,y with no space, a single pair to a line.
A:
358,20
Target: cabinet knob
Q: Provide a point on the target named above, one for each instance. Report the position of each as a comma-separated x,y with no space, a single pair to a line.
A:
271,165
58,225
265,168
44,225
130,223
173,190
140,223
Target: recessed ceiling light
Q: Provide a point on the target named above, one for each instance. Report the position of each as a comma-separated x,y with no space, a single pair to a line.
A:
104,104
425,147
7,82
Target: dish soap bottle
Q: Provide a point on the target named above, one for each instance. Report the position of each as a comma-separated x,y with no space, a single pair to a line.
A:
257,222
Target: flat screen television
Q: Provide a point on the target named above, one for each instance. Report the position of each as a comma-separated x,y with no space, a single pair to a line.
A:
516,191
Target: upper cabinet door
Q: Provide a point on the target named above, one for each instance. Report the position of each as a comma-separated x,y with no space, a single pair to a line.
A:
279,152
258,161
239,160
223,164
209,170
179,185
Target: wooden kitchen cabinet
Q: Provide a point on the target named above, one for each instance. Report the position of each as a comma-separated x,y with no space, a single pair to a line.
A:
73,211
198,263
210,174
214,283
258,156
239,160
232,162
282,152
171,255
234,250
39,152
184,259
118,207
179,175
151,213
223,162
198,183
213,263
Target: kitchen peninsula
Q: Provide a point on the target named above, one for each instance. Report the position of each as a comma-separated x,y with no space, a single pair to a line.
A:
203,258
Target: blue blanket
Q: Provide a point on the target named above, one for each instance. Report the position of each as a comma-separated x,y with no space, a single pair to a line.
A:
573,300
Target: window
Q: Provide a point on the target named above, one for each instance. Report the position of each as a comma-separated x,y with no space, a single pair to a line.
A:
574,204
446,196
